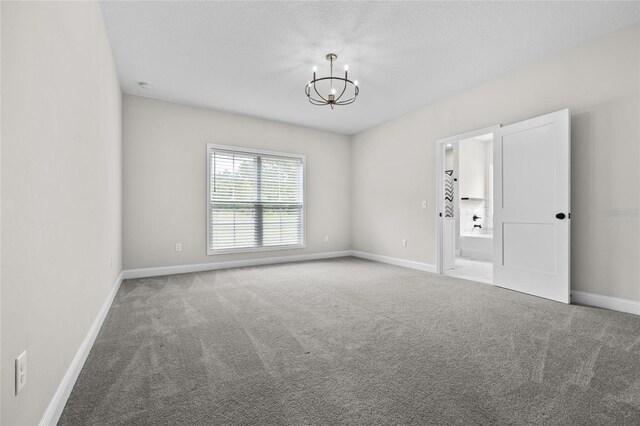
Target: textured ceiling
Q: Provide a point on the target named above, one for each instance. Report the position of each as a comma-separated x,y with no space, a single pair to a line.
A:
255,57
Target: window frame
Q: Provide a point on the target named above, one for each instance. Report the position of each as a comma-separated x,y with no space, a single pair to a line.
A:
239,149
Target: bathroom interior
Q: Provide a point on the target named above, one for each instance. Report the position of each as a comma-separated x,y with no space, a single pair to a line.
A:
469,207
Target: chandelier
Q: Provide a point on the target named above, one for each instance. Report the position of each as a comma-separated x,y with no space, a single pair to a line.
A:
331,86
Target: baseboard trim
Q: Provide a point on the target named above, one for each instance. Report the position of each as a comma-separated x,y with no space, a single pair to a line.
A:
200,267
606,302
56,406
581,297
427,267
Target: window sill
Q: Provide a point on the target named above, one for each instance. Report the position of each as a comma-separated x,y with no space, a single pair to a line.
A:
255,249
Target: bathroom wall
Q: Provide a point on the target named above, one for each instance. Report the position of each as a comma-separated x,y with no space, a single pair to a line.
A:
469,208
472,168
475,169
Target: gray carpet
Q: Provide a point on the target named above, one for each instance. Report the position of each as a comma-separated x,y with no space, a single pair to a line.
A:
353,342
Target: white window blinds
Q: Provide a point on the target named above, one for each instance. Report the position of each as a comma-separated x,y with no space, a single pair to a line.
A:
256,200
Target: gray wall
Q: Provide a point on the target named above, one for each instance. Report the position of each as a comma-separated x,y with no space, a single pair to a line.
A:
61,191
599,82
165,177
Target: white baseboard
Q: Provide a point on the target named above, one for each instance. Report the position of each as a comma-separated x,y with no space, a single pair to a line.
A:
200,267
427,267
54,410
183,269
606,302
583,298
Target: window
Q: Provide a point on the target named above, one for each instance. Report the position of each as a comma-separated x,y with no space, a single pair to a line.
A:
255,200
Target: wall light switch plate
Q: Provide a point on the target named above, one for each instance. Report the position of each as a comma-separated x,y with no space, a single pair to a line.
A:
178,246
404,243
424,204
326,238
21,372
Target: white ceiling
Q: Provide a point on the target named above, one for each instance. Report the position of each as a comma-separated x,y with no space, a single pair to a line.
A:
255,58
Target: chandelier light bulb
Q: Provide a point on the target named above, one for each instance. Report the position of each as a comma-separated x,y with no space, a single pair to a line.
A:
346,67
333,91
315,68
355,82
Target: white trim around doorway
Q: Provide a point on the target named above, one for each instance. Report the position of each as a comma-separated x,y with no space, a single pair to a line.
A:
440,168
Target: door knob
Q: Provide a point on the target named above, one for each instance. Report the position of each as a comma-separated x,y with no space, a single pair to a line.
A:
560,216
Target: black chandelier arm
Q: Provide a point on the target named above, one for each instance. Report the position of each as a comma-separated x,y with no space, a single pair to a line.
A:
323,103
316,102
332,78
356,92
344,88
318,93
350,100
347,102
346,82
312,100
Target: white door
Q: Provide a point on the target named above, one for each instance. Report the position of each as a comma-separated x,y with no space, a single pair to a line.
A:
448,243
531,206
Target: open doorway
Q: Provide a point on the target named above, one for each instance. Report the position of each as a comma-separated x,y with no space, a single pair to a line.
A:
465,205
527,194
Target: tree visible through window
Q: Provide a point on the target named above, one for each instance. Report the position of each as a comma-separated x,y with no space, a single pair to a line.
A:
256,200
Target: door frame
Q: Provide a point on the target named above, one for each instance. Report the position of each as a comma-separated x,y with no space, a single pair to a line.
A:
440,167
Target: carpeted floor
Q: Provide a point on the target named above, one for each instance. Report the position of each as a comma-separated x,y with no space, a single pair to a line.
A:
354,342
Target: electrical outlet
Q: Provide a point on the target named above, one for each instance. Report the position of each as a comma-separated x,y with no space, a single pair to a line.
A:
424,204
178,246
326,238
21,372
404,243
